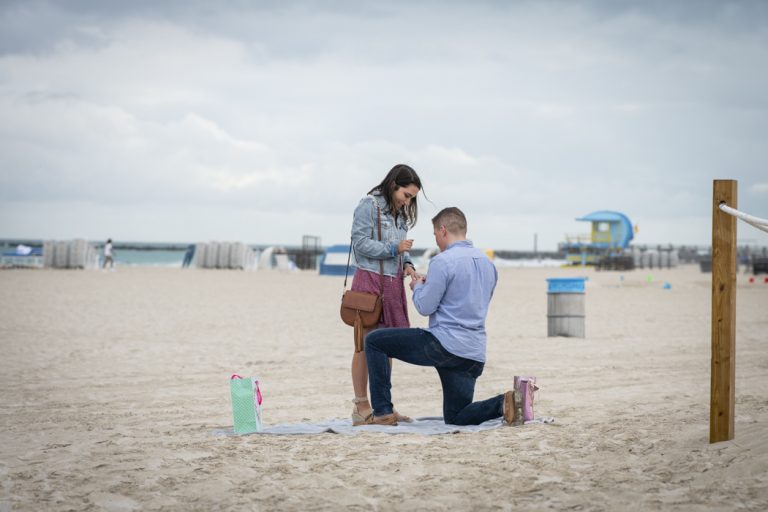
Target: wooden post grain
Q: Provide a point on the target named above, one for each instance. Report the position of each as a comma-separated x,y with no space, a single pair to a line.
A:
722,395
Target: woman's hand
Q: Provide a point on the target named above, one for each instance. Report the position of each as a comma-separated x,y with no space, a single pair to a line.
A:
404,246
410,271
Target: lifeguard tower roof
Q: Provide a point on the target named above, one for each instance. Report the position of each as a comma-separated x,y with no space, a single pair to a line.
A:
621,231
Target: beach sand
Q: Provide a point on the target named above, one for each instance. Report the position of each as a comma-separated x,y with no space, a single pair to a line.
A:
112,385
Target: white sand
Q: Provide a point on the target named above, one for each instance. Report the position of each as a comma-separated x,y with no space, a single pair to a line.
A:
111,384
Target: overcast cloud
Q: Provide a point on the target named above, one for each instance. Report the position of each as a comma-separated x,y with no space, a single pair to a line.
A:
190,121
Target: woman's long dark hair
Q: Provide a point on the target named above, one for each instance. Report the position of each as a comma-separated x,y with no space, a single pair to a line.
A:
400,175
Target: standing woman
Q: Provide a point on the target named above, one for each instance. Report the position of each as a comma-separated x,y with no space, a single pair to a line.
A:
395,197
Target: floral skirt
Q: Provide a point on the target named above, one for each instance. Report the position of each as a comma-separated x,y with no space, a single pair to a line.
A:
394,307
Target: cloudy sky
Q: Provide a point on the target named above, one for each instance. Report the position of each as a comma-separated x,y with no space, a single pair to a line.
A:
265,121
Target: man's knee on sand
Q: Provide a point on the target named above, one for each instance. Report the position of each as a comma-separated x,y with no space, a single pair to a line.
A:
374,338
452,418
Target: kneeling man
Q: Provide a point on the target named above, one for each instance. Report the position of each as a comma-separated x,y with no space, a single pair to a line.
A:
455,294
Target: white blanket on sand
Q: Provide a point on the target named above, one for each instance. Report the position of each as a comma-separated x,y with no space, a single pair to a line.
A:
431,425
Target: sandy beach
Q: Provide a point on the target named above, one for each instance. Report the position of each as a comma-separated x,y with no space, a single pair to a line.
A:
114,383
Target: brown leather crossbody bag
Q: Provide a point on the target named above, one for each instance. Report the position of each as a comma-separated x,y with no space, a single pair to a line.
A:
362,309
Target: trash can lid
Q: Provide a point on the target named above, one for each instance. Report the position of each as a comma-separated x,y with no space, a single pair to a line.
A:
566,285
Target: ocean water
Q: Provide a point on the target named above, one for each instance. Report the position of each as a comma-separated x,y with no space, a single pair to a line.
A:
146,257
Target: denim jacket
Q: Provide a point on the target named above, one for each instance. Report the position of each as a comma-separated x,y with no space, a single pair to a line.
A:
369,251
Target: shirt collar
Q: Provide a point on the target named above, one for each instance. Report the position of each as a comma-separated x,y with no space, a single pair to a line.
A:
460,243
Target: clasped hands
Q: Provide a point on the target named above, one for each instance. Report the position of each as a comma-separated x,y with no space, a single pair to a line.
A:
416,278
404,246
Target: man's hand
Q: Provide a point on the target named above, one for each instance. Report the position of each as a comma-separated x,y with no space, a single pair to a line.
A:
416,280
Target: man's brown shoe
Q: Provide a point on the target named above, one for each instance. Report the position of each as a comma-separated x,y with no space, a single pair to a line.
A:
402,418
388,420
512,414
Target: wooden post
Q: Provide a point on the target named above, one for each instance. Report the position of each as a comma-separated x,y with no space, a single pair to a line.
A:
722,396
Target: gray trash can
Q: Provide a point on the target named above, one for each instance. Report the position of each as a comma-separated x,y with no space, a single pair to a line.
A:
565,307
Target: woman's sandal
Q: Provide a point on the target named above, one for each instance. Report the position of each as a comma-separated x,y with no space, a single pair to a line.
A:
358,418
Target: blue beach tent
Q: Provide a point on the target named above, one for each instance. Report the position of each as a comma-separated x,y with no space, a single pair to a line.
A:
334,261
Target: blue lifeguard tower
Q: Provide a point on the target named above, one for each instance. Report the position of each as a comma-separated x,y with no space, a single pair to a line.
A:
611,234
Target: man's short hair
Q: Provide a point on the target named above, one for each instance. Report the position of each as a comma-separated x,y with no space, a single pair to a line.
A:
453,219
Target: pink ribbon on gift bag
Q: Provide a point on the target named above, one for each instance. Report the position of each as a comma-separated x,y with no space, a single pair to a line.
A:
257,406
258,392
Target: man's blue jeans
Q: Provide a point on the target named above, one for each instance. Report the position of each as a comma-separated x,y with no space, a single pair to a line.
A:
420,347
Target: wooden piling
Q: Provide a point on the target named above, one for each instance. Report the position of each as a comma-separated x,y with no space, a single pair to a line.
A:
722,391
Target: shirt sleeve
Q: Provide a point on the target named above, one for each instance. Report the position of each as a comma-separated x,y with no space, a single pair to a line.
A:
365,233
428,295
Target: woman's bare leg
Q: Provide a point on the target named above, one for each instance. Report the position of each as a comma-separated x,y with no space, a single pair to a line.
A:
360,380
360,376
360,383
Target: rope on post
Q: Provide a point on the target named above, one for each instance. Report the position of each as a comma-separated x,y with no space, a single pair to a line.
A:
761,224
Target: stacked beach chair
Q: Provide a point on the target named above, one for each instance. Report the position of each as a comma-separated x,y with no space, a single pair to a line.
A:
241,256
225,255
70,254
655,258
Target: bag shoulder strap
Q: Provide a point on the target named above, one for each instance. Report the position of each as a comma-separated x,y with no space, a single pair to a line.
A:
349,256
381,262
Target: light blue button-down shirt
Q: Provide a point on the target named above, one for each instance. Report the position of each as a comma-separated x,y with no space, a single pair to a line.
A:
458,289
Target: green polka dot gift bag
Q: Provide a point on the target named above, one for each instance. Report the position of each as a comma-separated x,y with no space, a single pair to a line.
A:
246,404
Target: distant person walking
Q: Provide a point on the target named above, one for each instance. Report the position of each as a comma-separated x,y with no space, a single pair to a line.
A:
188,256
393,201
108,255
